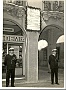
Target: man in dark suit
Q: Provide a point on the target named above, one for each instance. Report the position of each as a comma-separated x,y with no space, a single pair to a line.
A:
10,63
53,61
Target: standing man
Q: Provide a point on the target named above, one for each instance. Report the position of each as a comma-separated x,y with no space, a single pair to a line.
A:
53,61
10,63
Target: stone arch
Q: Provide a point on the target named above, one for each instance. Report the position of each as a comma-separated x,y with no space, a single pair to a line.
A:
43,34
51,26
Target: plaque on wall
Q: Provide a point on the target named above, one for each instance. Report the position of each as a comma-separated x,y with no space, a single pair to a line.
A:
33,19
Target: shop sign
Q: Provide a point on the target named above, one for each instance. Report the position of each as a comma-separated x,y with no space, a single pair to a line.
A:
13,38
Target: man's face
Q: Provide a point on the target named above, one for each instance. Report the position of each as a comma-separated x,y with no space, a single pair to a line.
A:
11,52
54,52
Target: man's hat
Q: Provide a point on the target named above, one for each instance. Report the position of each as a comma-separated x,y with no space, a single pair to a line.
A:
54,50
11,49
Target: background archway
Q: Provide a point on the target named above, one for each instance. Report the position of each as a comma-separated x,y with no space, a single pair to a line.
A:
50,33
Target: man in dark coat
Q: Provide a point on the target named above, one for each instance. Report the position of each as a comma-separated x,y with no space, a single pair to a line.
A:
10,63
53,61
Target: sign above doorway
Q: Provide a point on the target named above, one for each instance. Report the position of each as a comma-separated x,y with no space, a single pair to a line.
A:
13,38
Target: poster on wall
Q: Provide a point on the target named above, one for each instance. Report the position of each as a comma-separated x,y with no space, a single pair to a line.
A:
33,19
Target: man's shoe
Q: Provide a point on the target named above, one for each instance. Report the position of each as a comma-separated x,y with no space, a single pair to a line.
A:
6,86
12,86
57,83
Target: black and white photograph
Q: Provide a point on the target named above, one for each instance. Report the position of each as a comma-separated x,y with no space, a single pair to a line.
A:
33,44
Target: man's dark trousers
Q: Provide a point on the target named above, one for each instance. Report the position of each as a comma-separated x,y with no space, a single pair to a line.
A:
10,72
54,72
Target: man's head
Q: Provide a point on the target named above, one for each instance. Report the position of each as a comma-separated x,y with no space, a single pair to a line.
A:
11,51
54,51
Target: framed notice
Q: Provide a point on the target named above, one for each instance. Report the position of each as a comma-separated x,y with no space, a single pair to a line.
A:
33,19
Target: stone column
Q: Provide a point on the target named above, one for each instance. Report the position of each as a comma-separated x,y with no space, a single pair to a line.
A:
51,41
32,57
48,53
49,49
50,45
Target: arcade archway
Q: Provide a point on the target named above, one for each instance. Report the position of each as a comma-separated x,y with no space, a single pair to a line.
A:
50,33
14,36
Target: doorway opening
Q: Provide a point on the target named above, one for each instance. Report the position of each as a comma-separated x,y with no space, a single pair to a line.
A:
18,51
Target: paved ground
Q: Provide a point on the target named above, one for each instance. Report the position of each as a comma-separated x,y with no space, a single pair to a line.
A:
44,80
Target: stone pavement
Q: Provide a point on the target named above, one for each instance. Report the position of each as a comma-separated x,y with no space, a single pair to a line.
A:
43,82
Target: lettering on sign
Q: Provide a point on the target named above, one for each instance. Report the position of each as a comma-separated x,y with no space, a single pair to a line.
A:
13,38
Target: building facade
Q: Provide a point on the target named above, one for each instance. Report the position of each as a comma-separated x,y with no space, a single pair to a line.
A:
25,42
